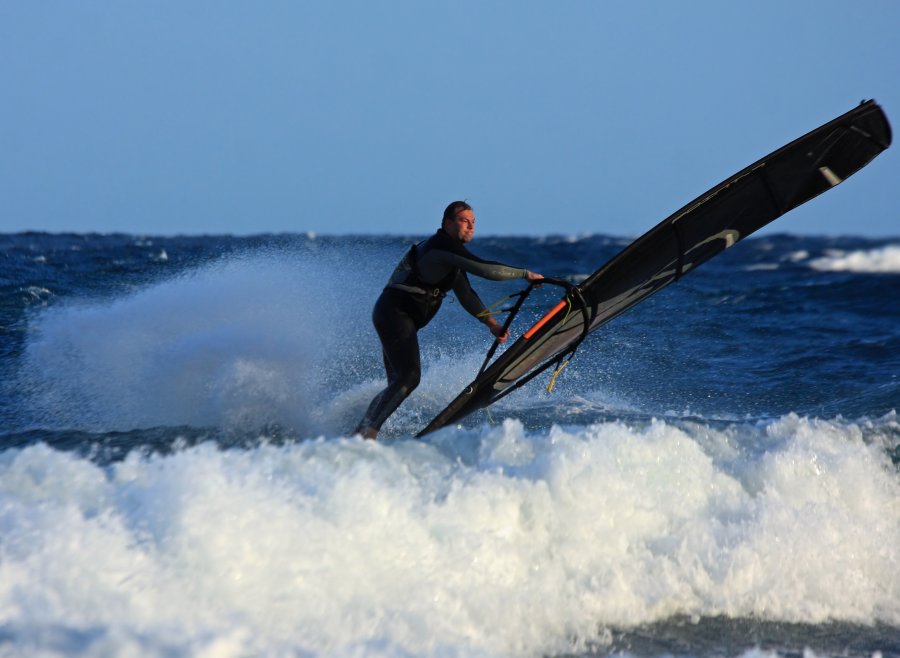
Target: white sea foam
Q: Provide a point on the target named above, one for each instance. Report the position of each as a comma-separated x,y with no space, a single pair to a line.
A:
884,259
489,542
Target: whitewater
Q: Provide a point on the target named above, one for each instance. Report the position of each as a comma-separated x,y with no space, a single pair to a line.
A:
715,474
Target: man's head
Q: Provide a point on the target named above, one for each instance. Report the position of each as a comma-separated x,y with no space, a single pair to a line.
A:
459,221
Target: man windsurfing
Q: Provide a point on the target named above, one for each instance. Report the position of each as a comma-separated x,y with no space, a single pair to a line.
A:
413,296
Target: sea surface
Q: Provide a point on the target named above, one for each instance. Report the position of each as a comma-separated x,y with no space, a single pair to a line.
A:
714,474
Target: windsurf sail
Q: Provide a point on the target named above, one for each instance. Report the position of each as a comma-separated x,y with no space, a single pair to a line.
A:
714,221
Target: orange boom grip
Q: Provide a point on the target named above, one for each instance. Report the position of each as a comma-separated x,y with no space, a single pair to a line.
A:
544,320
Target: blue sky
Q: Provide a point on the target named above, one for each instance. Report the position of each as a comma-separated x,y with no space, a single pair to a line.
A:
181,117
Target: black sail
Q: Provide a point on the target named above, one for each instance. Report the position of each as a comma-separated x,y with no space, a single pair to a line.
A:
705,227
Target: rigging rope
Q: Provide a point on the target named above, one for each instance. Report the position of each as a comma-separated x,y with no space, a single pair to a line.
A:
573,296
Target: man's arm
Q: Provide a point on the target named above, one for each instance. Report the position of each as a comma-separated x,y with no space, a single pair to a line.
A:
486,269
439,260
473,304
467,296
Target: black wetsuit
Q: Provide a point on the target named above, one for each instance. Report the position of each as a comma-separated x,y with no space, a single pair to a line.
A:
411,298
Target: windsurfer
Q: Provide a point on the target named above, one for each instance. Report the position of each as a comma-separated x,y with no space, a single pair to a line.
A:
413,296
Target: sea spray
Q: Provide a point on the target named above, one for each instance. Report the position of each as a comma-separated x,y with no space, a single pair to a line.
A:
246,341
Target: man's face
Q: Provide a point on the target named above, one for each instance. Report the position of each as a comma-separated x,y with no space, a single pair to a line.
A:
462,227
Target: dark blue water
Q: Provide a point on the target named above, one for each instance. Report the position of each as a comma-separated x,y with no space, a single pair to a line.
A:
715,473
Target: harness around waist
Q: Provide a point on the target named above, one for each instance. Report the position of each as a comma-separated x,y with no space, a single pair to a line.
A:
416,290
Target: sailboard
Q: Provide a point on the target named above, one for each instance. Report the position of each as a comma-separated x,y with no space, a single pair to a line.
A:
705,227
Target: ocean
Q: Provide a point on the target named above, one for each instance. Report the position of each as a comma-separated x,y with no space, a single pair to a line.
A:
715,474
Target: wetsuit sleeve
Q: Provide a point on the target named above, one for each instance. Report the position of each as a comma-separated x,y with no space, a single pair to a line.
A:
466,296
486,269
462,258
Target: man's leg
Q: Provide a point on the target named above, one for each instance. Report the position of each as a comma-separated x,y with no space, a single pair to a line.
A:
400,348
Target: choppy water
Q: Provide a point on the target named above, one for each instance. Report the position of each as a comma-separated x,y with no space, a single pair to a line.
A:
715,474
